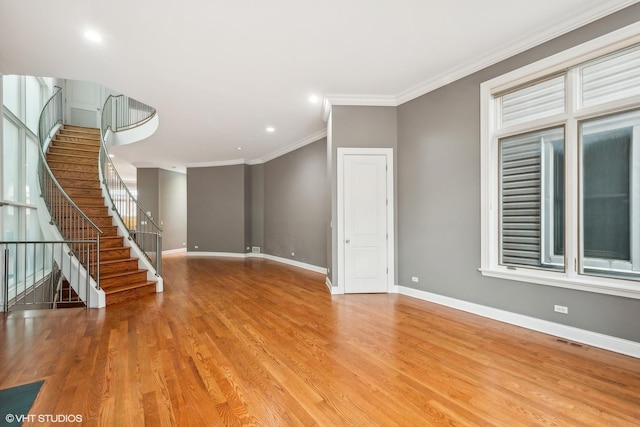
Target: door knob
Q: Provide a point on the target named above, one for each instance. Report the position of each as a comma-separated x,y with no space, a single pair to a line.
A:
347,241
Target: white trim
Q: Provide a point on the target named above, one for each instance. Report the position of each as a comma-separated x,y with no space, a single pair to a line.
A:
607,342
217,254
388,152
281,260
281,152
360,100
327,281
292,262
565,26
147,165
217,163
174,251
578,20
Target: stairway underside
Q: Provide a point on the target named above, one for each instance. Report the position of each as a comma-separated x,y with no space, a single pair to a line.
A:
73,159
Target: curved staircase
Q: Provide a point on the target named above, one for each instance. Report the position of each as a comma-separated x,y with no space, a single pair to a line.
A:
73,157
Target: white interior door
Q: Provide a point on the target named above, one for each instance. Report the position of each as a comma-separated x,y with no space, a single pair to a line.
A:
365,223
83,103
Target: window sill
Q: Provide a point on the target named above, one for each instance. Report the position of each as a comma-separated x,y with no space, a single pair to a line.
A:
599,285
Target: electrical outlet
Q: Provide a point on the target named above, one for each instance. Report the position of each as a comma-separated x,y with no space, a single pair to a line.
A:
561,309
293,254
415,279
196,247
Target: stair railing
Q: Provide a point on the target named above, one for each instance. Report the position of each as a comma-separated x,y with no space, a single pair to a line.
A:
122,113
31,275
82,234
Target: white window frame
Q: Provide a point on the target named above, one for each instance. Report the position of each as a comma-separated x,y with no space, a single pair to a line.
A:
490,185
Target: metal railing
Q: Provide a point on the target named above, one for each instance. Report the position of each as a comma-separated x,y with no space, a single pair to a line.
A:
31,273
72,223
121,113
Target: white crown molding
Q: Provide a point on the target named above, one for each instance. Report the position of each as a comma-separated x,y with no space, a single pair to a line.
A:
281,152
492,58
145,165
357,100
566,26
363,100
306,141
217,163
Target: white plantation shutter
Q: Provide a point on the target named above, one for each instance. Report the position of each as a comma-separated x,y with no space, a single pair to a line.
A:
533,102
611,78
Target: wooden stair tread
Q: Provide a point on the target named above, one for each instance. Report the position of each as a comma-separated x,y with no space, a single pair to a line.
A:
115,261
80,183
121,273
115,289
129,292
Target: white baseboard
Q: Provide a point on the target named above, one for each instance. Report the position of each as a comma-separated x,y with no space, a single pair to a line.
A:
174,251
292,262
217,254
327,281
595,339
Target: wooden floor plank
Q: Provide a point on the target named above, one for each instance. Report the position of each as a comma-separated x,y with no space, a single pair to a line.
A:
253,342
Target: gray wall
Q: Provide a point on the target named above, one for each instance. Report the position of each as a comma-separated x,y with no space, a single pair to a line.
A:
295,205
371,127
148,186
280,206
164,194
257,206
439,203
173,209
216,209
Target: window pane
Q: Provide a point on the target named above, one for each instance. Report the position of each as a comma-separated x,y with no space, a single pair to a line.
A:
33,102
32,190
533,102
532,199
610,176
11,94
10,161
611,78
33,253
10,222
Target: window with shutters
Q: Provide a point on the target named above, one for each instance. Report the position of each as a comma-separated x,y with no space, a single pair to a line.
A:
561,169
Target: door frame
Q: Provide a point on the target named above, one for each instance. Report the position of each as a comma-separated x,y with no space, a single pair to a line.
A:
340,268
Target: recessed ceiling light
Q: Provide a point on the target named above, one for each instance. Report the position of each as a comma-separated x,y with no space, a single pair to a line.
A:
93,36
112,155
239,148
271,129
314,99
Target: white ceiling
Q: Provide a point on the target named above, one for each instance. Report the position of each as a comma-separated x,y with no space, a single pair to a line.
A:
220,72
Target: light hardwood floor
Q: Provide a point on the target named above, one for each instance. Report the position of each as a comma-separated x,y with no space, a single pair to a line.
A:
253,342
